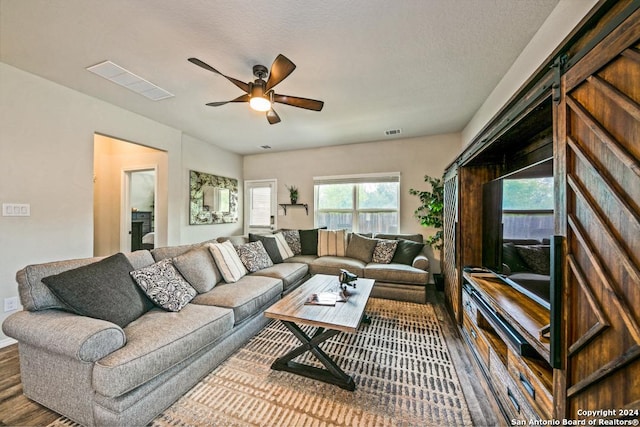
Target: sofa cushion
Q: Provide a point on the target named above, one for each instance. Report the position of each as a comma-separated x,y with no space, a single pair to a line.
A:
384,251
332,265
173,251
406,251
198,268
245,297
332,242
289,272
157,341
35,295
102,290
361,248
396,273
270,245
304,259
254,256
537,257
293,240
228,261
309,241
164,284
413,237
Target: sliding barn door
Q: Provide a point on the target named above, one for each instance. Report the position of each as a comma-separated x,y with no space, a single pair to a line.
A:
599,173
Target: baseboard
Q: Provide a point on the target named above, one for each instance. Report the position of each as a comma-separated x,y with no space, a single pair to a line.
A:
7,342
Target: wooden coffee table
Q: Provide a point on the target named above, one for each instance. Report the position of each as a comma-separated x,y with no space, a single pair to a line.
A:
328,320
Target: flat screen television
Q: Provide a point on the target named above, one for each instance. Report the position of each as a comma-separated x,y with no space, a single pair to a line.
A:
517,227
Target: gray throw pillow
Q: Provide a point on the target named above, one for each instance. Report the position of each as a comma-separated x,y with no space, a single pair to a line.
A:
102,290
361,247
254,256
406,251
270,245
309,241
163,283
198,268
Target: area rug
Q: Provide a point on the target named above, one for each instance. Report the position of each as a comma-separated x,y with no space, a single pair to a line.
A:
400,363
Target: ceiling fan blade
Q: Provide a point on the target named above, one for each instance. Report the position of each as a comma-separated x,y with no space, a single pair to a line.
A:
273,117
309,104
242,85
280,69
241,98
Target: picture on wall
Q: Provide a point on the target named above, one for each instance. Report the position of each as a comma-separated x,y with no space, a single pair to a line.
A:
213,199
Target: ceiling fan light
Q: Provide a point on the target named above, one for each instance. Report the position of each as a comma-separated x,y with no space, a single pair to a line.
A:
260,103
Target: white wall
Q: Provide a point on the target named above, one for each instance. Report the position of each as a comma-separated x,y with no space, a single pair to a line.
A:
413,158
46,158
562,20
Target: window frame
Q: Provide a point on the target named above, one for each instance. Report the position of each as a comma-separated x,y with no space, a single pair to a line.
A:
356,180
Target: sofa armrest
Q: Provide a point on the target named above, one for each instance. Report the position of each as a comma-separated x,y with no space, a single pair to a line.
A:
82,338
421,261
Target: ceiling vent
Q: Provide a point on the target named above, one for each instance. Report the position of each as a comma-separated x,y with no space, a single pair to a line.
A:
392,132
265,147
127,79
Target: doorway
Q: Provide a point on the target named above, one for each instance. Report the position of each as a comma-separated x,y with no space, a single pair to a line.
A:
130,190
260,206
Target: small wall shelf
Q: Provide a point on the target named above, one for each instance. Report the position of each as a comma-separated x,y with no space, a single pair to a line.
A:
302,205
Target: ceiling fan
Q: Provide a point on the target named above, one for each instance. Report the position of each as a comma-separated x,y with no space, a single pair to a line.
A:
259,93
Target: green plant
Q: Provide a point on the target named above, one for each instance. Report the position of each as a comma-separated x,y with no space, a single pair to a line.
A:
293,193
431,211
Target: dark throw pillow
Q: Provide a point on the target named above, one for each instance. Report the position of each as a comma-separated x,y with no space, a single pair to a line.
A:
537,257
309,241
406,251
270,245
102,290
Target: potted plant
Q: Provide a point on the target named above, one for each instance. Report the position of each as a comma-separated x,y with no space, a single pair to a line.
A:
293,193
430,213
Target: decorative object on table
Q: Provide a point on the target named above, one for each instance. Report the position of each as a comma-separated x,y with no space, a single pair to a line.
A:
293,194
430,214
212,199
347,279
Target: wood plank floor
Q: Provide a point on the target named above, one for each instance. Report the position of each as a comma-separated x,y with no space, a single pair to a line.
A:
17,410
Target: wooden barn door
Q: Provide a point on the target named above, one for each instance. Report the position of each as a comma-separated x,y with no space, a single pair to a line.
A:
599,172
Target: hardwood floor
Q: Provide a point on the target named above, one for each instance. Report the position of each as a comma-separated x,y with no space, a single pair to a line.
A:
17,410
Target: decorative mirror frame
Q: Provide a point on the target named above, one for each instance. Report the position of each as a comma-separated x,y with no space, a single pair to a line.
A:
212,199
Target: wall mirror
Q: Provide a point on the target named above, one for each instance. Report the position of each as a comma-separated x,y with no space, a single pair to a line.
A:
213,199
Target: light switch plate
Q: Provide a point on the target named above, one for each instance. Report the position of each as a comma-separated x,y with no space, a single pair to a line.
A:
16,209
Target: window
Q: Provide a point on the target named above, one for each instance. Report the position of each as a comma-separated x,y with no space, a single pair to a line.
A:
527,208
359,203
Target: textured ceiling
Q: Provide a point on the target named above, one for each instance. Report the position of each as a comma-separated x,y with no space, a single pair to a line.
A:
423,66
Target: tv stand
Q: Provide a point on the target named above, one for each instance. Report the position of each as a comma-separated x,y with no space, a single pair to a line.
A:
502,328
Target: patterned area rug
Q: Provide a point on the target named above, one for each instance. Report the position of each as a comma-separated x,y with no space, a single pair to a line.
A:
400,363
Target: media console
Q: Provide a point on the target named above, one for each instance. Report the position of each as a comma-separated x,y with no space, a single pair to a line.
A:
506,332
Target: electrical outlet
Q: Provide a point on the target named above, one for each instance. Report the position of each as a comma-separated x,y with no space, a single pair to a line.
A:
10,304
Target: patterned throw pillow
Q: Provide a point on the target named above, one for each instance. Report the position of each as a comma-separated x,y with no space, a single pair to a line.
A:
254,256
228,261
384,251
332,242
165,286
537,257
293,240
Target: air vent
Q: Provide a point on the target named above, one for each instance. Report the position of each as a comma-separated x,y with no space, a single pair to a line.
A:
392,132
127,79
265,147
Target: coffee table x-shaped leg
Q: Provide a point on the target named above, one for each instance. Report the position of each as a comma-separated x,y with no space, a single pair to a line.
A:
332,374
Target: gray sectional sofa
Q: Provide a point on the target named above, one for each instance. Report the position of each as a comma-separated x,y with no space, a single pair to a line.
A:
98,373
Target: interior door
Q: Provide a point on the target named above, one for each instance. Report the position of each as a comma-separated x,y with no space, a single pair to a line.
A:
261,206
599,165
